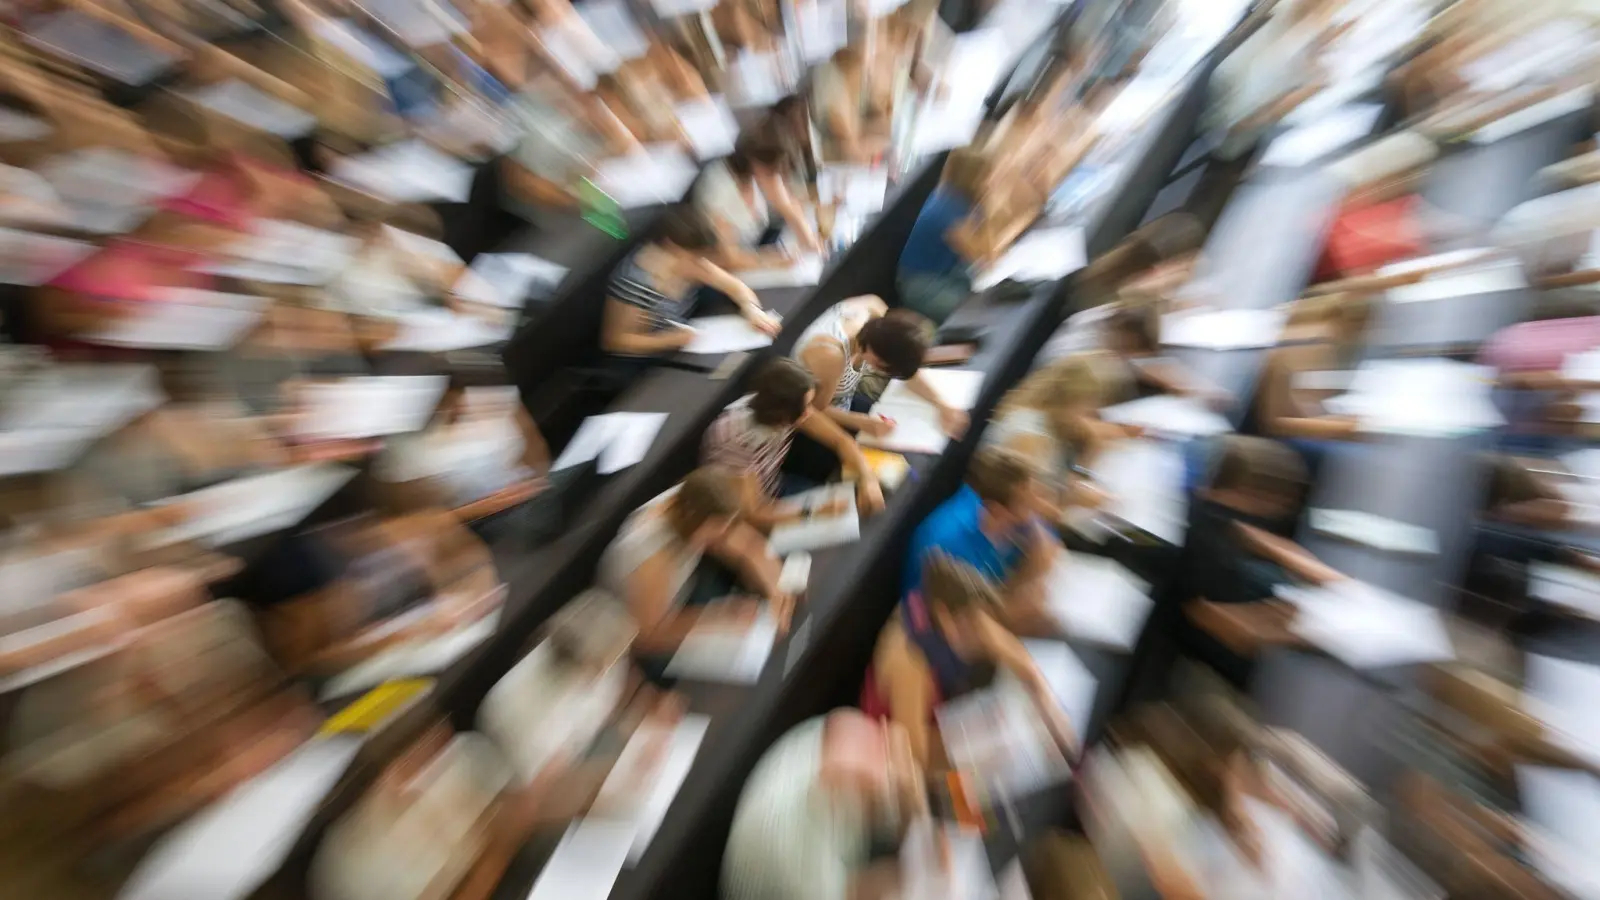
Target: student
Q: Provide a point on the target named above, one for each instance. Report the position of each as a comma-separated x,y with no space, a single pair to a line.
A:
652,561
821,798
652,291
861,335
752,437
1133,335
932,277
992,525
1323,335
1239,546
738,196
1050,420
842,108
942,643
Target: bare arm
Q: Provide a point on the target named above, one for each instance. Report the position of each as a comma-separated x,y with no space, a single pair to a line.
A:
906,683
827,432
1286,553
826,363
714,276
780,198
625,333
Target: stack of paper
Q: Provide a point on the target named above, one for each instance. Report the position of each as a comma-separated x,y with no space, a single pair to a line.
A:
916,422
1098,601
254,505
714,653
1045,254
643,784
1374,531
659,173
1310,142
715,335
618,440
1146,482
1222,329
507,280
185,319
370,406
817,532
1169,415
710,125
1425,397
1368,627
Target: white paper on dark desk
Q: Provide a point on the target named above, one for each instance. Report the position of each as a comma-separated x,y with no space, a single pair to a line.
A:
100,46
710,125
634,436
1368,627
659,173
755,80
1096,600
248,507
1223,329
917,428
1071,682
440,331
109,179
803,272
19,126
1561,694
1307,143
817,532
245,103
1376,531
1535,115
716,335
613,23
859,190
287,252
228,849
721,654
1490,278
1562,806
1425,397
973,66
507,279
370,406
586,863
1164,414
408,172
645,810
671,8
185,320
382,59
1145,480
1013,883
1044,254
923,877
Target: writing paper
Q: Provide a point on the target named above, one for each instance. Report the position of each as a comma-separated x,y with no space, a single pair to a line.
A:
615,26
1534,115
1223,329
1164,414
586,863
370,406
507,280
645,809
248,507
998,736
803,272
245,103
715,335
1044,254
407,172
659,173
185,319
917,428
1565,586
32,259
1481,279
283,252
722,654
410,659
1374,531
100,46
1368,627
924,878
19,126
1561,693
617,440
710,125
1563,806
1096,600
817,532
975,63
1070,681
755,80
440,331
1426,397
1309,142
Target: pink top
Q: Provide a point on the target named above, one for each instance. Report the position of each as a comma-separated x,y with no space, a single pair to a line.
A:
1540,346
132,271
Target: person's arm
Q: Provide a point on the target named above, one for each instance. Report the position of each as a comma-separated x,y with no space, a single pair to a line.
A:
730,253
825,431
1286,553
1024,589
776,189
745,550
761,511
714,276
1286,415
625,332
953,420
1009,654
826,362
907,685
661,626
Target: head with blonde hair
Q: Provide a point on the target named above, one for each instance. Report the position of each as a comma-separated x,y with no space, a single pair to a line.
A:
967,171
1065,391
957,595
705,506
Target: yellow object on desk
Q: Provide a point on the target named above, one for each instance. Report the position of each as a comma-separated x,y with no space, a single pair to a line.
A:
377,706
891,468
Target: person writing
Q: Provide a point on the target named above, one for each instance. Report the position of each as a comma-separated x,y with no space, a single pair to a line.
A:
738,196
933,277
859,335
752,437
652,292
843,109
814,807
991,523
655,556
1323,335
941,643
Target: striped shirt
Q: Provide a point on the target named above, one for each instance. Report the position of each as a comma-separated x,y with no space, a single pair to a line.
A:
831,327
633,286
740,443
788,842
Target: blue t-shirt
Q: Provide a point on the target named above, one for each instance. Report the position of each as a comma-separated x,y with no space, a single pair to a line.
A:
926,252
953,528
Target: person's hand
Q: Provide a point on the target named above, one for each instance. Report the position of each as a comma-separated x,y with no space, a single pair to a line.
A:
869,496
782,604
1133,431
682,336
763,321
809,242
953,421
877,425
834,507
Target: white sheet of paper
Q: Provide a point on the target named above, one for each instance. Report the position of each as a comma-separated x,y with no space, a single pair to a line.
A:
1464,282
723,655
1375,531
1098,601
634,435
859,190
670,8
818,532
614,24
370,406
19,126
1566,586
1145,479
1368,627
408,172
288,252
1537,114
227,850
569,55
646,813
102,47
254,505
1305,144
32,259
586,863
441,331
710,125
1223,329
1427,397
588,442
922,877
1563,806
505,279
803,272
715,335
1072,683
410,660
1164,414
916,423
1013,883
1561,694
659,173
383,60
245,103
974,64
1045,254
186,320
755,80
22,452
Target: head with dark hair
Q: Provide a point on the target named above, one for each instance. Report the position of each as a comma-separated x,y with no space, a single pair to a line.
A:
1258,476
686,230
783,394
754,153
705,506
1005,482
1135,328
896,342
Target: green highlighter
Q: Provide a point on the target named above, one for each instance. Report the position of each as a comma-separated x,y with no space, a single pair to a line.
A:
600,210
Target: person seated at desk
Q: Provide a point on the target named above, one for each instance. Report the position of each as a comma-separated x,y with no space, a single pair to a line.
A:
932,277
862,335
1537,399
1239,549
1528,492
752,437
652,292
1273,71
992,524
848,121
738,196
944,642
821,798
1133,335
1323,335
653,564
563,133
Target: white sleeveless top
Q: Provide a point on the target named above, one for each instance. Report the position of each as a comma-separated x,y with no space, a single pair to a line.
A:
718,195
645,533
832,326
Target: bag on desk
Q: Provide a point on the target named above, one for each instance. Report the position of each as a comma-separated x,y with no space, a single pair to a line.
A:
1366,236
